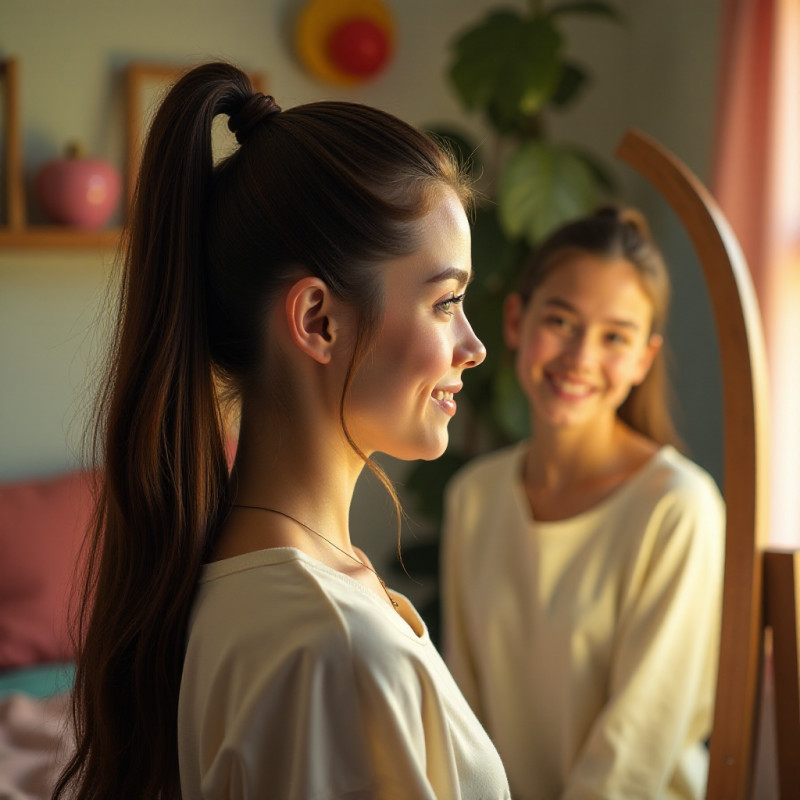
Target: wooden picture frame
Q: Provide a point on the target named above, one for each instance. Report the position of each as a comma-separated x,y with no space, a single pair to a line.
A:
13,206
146,84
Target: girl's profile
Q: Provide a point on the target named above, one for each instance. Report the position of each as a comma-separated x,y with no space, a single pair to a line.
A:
233,643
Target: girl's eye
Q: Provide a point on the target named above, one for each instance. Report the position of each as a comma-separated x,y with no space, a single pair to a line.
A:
616,338
446,305
557,322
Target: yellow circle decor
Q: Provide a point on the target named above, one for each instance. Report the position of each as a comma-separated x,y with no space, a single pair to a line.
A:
345,42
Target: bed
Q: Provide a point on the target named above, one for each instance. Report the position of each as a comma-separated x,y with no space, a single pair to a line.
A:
41,526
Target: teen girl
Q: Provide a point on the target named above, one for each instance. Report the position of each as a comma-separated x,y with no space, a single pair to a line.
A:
583,568
234,643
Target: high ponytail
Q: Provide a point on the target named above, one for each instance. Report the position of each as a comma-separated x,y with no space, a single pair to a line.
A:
333,189
163,463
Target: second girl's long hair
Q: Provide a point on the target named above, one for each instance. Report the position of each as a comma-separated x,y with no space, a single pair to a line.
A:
332,188
615,232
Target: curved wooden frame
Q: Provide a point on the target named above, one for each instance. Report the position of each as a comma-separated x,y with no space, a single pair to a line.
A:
744,381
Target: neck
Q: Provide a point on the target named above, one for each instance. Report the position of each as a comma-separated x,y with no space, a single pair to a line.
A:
304,470
558,457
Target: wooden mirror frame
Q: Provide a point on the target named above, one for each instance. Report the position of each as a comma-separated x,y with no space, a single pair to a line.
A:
745,382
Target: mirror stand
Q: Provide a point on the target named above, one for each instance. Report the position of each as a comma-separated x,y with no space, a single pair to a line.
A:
782,616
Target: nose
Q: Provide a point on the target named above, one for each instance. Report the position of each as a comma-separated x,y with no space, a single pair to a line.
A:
580,352
469,352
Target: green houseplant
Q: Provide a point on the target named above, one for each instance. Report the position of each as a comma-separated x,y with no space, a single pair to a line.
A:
512,68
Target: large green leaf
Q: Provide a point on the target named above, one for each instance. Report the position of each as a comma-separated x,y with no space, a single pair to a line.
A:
507,62
541,187
602,176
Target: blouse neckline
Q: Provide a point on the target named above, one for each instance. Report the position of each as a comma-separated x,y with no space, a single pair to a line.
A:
405,617
599,508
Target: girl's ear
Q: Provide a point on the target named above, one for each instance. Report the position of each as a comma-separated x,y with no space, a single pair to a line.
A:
649,355
310,316
512,320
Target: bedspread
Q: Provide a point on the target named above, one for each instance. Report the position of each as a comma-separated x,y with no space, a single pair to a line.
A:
34,744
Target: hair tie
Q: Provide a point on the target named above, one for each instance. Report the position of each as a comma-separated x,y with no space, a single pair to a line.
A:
254,110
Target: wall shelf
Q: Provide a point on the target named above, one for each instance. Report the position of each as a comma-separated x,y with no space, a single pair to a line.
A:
16,232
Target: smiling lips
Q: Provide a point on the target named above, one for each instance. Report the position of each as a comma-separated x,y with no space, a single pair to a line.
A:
569,389
445,400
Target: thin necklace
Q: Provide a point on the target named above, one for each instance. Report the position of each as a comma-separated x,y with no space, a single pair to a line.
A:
325,538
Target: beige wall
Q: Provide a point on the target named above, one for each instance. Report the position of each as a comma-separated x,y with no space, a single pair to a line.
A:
656,72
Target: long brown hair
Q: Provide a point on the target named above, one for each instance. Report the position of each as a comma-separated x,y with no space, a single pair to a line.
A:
331,188
615,232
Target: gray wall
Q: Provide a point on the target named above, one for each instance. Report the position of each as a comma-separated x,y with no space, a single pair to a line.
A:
657,72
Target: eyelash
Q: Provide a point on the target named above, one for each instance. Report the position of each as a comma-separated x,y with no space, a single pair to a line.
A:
557,321
616,338
444,305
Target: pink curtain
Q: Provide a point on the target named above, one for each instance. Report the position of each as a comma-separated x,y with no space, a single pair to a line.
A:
756,180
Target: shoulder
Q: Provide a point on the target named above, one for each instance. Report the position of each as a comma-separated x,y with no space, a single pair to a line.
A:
254,612
682,483
281,684
685,510
257,620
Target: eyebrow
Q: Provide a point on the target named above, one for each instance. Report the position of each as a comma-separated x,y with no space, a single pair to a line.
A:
452,273
619,323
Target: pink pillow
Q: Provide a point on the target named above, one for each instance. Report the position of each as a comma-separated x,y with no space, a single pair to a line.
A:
42,524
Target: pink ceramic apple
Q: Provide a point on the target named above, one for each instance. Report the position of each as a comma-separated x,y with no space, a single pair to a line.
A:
83,192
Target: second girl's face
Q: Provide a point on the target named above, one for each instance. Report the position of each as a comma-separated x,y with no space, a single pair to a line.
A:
404,394
582,341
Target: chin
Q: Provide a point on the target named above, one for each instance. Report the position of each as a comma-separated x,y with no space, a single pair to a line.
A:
438,453
424,451
438,449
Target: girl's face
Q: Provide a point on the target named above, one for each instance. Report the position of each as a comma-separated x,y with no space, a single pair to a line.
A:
403,396
582,341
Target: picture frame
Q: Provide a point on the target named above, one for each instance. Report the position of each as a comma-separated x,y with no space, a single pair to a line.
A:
146,84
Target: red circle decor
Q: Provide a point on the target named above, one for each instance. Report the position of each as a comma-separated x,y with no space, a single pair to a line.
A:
358,47
345,42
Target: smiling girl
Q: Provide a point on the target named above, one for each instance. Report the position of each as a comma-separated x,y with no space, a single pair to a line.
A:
233,642
583,567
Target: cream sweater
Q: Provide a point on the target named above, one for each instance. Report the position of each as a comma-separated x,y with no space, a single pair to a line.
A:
300,682
588,646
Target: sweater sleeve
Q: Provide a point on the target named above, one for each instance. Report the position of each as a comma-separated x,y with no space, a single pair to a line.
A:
663,671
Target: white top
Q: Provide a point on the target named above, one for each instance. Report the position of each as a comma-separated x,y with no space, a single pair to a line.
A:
588,646
300,682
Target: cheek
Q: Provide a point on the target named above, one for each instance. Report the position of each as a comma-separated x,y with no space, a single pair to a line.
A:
625,368
536,348
414,355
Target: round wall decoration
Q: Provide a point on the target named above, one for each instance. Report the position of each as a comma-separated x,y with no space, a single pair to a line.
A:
345,42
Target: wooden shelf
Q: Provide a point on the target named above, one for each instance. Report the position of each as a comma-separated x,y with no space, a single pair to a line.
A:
58,237
16,232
